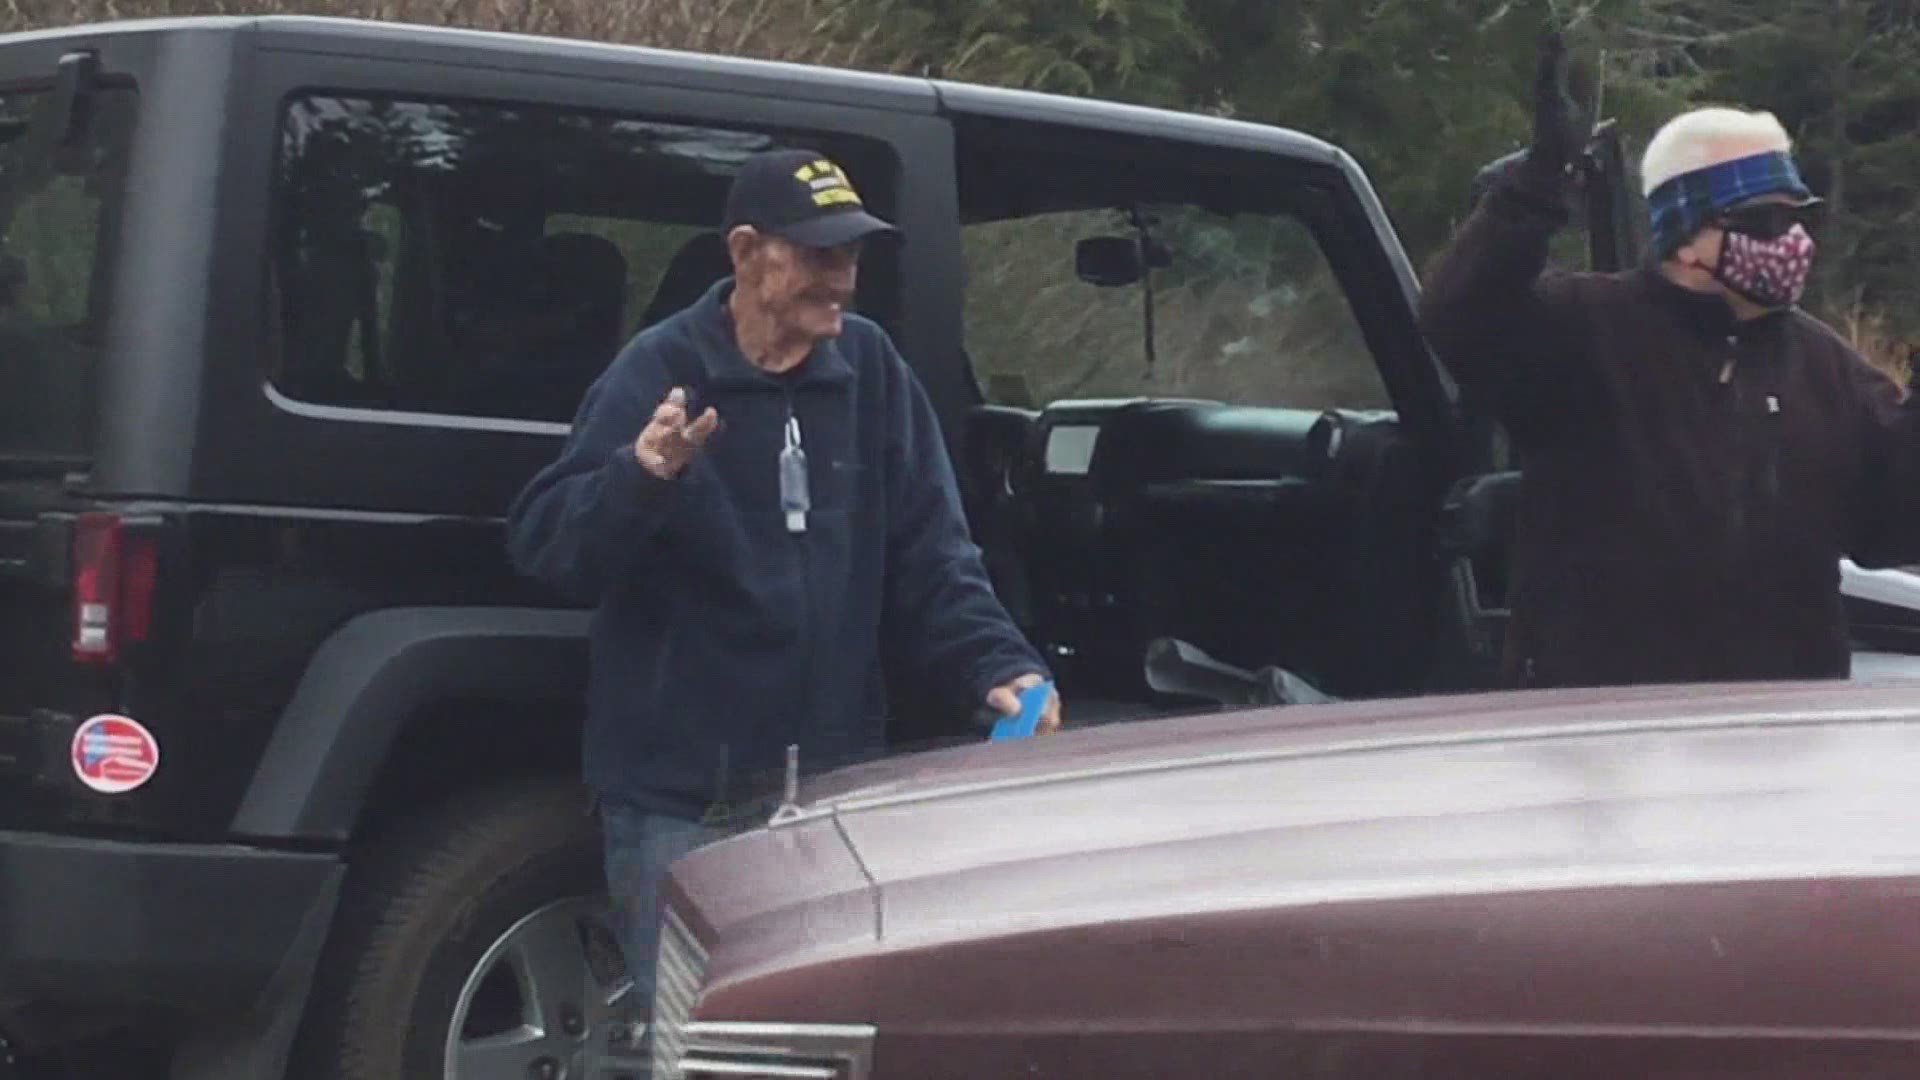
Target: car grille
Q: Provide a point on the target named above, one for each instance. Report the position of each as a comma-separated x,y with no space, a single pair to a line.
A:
681,969
685,1049
789,1051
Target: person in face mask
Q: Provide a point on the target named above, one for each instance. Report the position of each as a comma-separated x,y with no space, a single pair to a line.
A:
1730,213
1697,452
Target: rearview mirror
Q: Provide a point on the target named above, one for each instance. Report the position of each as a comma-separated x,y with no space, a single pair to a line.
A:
73,95
1107,262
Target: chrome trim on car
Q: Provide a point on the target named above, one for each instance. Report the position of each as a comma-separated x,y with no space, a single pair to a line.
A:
357,414
885,795
761,1071
678,974
800,1051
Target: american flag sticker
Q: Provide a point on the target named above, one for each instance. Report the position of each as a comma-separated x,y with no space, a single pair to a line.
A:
114,754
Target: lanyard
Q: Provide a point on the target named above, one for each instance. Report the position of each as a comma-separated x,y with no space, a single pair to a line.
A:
793,479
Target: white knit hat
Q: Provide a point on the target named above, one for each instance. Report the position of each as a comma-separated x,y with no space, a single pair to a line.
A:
1707,137
1706,161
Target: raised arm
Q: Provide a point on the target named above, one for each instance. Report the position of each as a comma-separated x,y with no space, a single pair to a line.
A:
1507,330
582,522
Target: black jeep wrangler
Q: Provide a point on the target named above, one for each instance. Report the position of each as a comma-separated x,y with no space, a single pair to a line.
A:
291,308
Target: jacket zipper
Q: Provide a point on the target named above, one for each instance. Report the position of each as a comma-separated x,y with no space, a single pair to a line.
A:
802,546
1757,502
1773,450
1742,446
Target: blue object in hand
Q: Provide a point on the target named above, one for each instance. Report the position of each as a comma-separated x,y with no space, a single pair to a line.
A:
1033,702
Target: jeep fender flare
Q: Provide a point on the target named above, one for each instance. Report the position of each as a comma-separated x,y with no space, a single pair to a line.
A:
367,678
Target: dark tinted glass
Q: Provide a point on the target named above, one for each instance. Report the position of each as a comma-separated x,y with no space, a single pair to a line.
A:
57,204
482,260
1770,221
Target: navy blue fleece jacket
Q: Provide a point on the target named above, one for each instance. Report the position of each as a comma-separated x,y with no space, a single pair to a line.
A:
720,637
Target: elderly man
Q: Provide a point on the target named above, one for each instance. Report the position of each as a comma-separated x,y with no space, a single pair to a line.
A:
1697,452
748,489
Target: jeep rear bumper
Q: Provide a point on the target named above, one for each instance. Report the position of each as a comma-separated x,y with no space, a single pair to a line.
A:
186,928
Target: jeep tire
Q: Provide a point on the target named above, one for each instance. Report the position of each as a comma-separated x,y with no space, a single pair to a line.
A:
424,905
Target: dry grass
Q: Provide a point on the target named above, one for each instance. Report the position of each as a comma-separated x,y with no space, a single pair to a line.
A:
1872,335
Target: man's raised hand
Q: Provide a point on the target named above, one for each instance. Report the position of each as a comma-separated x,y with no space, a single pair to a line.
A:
670,441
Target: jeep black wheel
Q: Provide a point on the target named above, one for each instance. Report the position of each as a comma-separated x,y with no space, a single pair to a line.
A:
473,945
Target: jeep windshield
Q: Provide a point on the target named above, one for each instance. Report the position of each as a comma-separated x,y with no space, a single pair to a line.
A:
60,185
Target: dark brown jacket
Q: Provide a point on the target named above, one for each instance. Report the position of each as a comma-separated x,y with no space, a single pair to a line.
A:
1690,482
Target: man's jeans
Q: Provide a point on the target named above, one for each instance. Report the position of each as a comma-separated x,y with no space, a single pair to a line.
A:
639,848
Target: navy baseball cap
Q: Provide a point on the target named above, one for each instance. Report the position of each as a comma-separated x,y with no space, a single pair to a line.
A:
801,196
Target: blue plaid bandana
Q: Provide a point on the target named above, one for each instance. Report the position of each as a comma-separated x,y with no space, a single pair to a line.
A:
1684,204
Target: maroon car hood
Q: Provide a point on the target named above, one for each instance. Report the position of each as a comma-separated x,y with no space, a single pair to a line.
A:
1107,849
1378,840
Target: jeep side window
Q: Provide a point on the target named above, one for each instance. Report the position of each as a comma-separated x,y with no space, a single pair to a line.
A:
1244,309
57,207
463,259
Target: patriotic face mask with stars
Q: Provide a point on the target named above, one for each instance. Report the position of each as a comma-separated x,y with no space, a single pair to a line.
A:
1766,256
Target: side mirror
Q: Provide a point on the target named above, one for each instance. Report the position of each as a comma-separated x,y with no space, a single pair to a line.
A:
1108,262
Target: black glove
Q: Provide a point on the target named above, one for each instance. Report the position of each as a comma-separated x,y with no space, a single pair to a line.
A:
1558,141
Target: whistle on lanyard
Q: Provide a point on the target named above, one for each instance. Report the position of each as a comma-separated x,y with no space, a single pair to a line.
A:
794,501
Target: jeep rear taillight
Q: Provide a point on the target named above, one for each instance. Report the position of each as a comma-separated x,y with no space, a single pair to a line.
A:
114,569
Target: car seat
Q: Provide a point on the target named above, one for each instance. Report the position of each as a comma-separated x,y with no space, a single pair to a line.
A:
699,263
